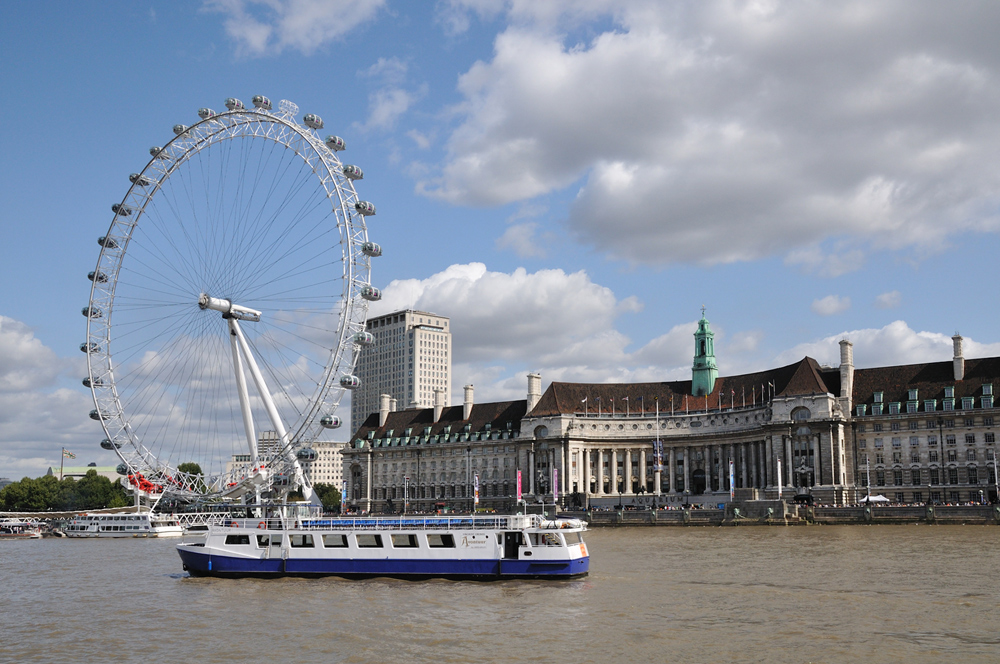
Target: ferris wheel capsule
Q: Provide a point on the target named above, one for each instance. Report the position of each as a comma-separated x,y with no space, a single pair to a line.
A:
90,347
364,339
97,276
157,153
306,454
313,121
335,143
350,382
234,104
107,242
330,421
121,469
205,113
92,312
260,101
180,129
371,249
140,180
371,293
352,172
95,415
92,382
122,210
365,208
108,444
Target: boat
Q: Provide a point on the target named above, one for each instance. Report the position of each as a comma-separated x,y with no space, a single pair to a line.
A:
19,529
459,547
143,524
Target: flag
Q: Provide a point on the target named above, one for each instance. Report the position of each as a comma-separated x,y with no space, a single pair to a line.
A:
68,454
584,400
518,486
476,488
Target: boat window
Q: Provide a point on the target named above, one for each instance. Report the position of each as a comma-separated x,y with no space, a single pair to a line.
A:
262,541
238,539
301,541
441,541
545,539
369,541
275,540
402,541
573,538
335,541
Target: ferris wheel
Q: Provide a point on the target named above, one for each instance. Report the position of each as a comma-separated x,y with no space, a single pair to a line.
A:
229,304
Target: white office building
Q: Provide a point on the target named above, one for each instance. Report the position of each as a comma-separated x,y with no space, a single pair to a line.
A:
410,359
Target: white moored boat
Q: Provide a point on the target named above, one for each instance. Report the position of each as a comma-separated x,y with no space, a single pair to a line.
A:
495,547
19,529
143,524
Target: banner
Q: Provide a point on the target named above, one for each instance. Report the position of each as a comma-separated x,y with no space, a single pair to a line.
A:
779,478
658,456
732,480
519,486
555,485
475,489
343,496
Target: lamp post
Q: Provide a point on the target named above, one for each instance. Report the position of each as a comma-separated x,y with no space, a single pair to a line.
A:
406,493
621,481
996,479
419,453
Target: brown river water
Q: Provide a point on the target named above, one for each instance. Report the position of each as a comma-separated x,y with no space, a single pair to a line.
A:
916,593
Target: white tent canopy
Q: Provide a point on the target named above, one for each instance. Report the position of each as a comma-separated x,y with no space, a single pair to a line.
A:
874,499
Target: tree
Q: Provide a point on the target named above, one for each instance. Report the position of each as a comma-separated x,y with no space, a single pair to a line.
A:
329,495
192,468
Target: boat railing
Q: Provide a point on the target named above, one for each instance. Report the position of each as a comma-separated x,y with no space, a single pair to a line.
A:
514,522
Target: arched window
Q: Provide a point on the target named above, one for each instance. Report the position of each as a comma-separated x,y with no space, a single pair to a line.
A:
801,414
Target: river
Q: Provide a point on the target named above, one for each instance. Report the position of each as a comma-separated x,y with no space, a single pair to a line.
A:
919,593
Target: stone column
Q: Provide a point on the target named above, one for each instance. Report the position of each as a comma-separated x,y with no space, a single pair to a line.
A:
789,474
743,465
642,468
584,470
672,470
600,472
708,469
769,453
687,469
531,472
613,469
627,470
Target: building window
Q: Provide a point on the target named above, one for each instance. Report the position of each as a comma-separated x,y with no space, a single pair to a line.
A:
863,444
896,442
953,476
968,403
952,456
918,496
879,458
897,478
914,457
877,426
878,397
970,439
949,392
933,479
894,426
930,405
862,428
990,454
878,442
932,456
986,402
880,478
949,439
894,410
913,425
911,395
877,409
860,410
987,388
932,441
970,422
897,457
949,404
930,424
911,406
914,441
988,437
949,424
987,421
970,455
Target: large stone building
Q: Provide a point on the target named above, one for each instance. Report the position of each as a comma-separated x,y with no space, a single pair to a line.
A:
410,359
923,432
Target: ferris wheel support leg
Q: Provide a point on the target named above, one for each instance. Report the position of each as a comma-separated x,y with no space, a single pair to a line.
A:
272,410
241,384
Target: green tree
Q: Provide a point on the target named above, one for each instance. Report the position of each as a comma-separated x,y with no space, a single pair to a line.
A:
329,495
192,468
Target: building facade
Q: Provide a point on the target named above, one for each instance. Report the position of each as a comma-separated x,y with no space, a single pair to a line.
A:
410,359
921,433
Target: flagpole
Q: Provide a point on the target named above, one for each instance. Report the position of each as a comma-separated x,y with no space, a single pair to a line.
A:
62,458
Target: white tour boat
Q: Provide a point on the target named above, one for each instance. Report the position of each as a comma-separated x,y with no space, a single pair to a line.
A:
19,529
465,547
143,524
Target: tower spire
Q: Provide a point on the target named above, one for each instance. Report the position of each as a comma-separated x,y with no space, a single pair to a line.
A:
705,371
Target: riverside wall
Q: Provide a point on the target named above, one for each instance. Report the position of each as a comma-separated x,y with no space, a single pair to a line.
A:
777,513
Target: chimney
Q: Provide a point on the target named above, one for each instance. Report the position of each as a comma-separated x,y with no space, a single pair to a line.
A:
846,369
467,406
534,390
959,360
383,409
392,405
438,404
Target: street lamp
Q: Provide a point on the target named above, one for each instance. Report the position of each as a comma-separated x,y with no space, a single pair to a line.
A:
419,453
406,493
468,477
941,447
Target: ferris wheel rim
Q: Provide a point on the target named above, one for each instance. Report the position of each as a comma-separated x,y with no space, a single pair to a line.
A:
326,166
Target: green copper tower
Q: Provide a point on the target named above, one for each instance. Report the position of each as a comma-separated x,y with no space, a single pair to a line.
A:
705,371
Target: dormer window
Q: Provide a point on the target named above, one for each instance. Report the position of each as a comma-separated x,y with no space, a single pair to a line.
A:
878,397
894,408
860,409
447,429
949,392
988,389
488,426
986,402
948,404
968,403
912,395
877,408
930,405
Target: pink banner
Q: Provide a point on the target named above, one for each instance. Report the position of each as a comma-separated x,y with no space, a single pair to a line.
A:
519,485
555,485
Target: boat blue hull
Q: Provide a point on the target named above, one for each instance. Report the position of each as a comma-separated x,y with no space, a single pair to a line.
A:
205,564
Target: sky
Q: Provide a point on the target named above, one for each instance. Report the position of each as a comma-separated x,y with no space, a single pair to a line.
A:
569,181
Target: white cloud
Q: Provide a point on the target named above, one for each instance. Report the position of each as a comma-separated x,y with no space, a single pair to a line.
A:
521,239
716,132
261,27
386,106
830,305
890,300
892,345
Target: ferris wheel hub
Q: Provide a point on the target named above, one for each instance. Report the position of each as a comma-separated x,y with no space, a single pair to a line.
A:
228,309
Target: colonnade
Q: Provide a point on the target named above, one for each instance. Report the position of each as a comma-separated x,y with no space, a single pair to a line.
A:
600,474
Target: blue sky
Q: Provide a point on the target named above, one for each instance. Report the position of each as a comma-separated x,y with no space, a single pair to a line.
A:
569,181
